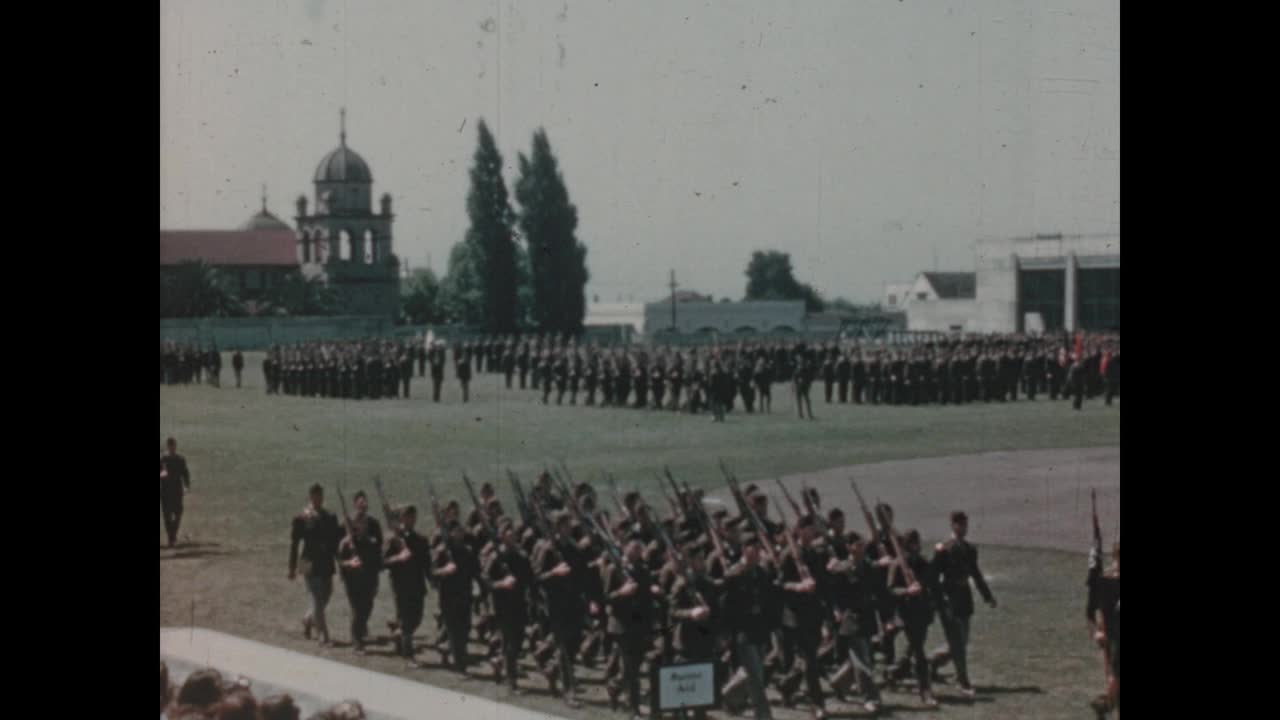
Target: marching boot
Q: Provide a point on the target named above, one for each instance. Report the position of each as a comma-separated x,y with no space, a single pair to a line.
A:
306,627
936,661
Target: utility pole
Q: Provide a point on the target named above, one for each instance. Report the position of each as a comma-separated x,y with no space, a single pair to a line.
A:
673,287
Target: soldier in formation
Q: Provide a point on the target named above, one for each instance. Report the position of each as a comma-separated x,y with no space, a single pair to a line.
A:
186,363
349,369
714,378
789,609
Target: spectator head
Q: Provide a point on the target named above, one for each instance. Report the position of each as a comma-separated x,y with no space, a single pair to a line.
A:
202,689
239,704
279,707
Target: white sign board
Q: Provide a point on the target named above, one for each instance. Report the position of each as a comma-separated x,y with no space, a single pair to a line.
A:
1033,323
690,686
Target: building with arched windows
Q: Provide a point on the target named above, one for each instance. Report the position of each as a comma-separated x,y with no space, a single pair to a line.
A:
343,242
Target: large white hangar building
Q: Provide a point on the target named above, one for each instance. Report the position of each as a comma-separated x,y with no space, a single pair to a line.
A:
1043,283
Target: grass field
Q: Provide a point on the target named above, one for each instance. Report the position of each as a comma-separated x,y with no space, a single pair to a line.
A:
252,457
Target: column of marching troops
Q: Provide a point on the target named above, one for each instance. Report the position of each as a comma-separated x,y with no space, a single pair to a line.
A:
799,603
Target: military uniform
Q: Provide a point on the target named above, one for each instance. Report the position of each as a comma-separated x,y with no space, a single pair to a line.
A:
175,478
318,533
631,623
954,563
462,369
362,582
408,581
510,605
455,598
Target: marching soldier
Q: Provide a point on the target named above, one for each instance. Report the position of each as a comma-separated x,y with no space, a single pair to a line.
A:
630,593
802,614
237,365
751,617
1103,614
511,577
917,608
560,570
175,479
855,587
360,555
954,563
437,358
694,598
318,532
456,575
408,560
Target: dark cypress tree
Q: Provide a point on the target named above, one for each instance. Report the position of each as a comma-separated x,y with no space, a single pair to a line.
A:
557,260
490,236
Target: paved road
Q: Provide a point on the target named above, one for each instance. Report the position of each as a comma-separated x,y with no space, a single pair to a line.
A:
316,683
1025,498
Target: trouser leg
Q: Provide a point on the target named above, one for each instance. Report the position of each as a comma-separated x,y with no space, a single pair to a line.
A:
860,645
458,624
916,636
750,655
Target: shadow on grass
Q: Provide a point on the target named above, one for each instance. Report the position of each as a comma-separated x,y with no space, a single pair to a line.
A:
1012,690
191,550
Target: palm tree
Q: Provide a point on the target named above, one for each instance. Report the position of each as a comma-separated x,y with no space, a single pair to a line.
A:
196,289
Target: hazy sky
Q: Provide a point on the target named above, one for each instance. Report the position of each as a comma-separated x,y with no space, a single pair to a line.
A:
864,137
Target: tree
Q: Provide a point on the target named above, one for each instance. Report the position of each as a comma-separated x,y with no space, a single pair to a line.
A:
419,297
490,237
557,260
297,294
196,289
460,298
770,277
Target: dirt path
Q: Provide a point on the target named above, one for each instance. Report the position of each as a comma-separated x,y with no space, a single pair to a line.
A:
1026,498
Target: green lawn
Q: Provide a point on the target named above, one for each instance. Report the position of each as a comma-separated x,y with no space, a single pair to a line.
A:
252,457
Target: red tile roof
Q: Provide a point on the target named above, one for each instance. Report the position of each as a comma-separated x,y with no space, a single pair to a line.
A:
229,247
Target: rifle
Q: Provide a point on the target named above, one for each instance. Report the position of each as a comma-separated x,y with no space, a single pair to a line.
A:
866,514
539,515
617,498
897,548
1111,684
691,501
790,500
801,568
522,503
346,517
675,508
480,510
765,541
685,499
387,513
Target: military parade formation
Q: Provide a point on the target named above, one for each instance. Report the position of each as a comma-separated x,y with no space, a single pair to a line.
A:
714,378
785,600
788,602
717,378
